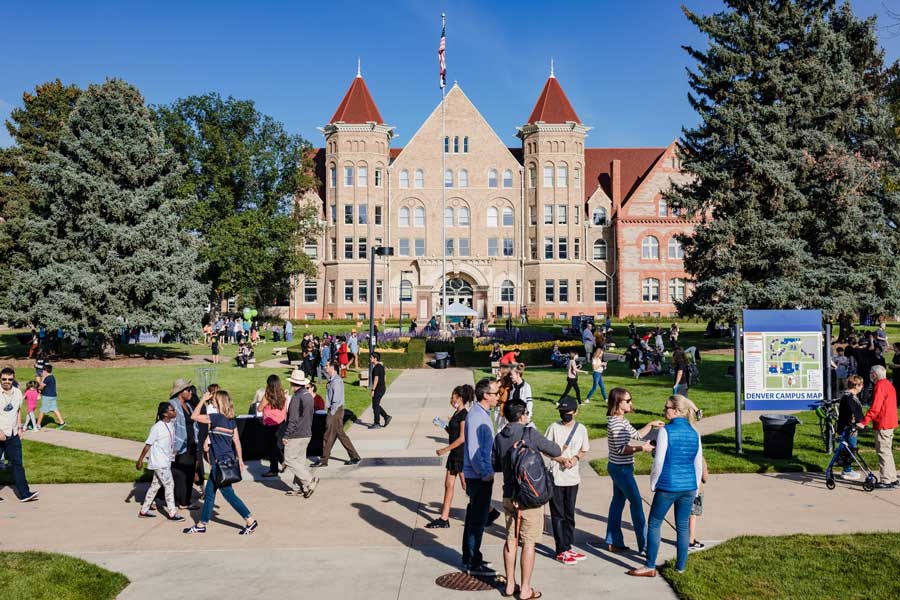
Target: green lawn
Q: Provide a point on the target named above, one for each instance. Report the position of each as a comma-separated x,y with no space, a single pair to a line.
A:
860,566
45,463
45,576
714,394
718,449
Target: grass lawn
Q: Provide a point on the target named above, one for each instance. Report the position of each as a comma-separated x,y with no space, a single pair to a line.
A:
714,394
718,449
45,576
122,402
799,567
45,463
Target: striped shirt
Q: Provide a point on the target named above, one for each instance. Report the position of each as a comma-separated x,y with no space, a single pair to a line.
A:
619,432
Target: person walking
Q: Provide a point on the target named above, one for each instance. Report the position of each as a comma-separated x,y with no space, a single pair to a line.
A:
572,372
31,401
849,414
273,408
320,419
10,434
587,338
478,472
520,390
682,379
353,348
47,385
343,354
675,477
224,448
334,427
572,438
288,331
523,525
297,435
378,388
214,346
161,446
619,438
462,396
597,367
184,464
882,414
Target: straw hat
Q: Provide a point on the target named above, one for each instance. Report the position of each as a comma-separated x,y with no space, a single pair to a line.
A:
298,377
179,386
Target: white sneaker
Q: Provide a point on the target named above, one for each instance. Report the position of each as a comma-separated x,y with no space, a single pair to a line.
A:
850,475
587,402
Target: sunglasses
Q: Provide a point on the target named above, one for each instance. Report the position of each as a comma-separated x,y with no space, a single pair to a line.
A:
6,379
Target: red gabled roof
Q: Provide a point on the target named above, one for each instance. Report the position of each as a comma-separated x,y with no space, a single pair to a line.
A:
636,163
357,105
552,105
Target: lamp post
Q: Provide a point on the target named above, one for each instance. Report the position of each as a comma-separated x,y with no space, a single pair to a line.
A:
402,273
376,251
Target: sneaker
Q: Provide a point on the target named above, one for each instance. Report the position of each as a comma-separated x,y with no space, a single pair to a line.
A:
850,475
294,493
194,529
176,518
146,515
587,401
481,570
30,497
566,559
387,420
577,555
270,474
248,529
878,486
438,524
319,465
62,425
354,461
492,516
374,426
696,545
312,487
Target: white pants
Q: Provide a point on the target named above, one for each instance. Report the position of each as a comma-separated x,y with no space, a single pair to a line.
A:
295,463
161,478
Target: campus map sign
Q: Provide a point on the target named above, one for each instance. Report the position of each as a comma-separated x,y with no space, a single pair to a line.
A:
782,359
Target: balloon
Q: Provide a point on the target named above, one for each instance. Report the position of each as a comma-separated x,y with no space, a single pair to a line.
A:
246,313
253,313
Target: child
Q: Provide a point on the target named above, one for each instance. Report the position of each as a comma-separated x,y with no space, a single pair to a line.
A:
572,372
572,438
161,446
697,506
841,365
31,400
850,413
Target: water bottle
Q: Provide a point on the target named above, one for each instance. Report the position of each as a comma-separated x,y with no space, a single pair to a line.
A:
439,423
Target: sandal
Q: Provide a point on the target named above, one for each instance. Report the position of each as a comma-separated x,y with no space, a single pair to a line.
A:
516,592
534,595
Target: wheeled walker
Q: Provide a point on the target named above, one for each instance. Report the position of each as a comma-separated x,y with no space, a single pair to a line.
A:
843,455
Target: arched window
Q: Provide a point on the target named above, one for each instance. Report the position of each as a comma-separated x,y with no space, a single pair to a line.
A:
420,178
492,216
532,176
446,144
492,178
507,178
599,217
456,144
600,250
406,290
463,178
650,289
507,217
650,247
404,178
562,176
448,217
676,250
577,177
420,216
332,176
466,144
403,217
448,178
507,291
677,289
463,216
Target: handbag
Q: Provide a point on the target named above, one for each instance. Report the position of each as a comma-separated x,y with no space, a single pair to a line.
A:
227,472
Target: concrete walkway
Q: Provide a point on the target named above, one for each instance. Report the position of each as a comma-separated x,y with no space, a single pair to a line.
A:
98,444
362,534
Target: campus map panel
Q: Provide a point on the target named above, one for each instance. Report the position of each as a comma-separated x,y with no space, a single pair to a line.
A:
783,366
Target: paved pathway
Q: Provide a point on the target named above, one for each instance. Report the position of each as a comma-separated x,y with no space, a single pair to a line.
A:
362,534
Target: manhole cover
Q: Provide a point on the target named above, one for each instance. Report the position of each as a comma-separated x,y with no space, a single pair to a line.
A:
462,582
411,461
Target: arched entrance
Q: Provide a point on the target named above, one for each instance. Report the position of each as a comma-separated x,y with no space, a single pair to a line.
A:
458,291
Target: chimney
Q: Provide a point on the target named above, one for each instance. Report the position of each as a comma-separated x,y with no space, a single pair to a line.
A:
615,181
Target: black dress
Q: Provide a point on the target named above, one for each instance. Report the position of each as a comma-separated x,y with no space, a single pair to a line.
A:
456,457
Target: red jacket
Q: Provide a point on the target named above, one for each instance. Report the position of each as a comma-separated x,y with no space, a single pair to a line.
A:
883,412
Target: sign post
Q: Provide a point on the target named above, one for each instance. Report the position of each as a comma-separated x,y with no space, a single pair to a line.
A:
738,434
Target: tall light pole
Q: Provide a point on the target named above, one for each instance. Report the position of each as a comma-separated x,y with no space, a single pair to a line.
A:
376,251
402,273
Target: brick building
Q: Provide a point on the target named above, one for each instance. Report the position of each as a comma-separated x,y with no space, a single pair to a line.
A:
552,225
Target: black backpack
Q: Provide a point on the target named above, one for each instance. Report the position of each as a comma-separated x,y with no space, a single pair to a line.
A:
533,484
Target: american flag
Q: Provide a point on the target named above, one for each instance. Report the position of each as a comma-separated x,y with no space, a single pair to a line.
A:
441,47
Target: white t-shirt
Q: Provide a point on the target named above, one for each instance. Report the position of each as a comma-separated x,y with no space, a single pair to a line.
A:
162,445
9,419
559,433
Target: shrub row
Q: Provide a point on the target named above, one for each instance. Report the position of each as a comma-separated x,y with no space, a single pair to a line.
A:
412,358
466,354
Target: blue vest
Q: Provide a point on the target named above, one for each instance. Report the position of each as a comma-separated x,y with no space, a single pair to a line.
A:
678,473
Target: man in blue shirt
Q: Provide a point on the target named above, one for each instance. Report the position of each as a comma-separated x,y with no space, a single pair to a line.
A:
288,331
47,386
479,473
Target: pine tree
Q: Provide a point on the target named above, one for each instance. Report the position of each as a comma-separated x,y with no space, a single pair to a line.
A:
789,163
111,251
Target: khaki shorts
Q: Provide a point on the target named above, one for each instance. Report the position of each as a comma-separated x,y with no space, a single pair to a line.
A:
531,523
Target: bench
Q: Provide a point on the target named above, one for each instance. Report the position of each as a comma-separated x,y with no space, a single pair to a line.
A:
279,351
297,363
364,378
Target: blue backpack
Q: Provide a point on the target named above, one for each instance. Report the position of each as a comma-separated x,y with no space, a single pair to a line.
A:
533,484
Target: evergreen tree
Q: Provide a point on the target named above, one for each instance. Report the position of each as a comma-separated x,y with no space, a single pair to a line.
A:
36,128
247,174
790,163
111,250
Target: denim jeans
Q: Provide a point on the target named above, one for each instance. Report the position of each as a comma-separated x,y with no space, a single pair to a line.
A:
12,447
209,499
479,493
625,488
852,441
662,502
598,383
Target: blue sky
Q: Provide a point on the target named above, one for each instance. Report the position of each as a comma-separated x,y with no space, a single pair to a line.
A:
619,61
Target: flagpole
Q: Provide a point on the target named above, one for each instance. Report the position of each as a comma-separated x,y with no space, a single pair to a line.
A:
443,200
